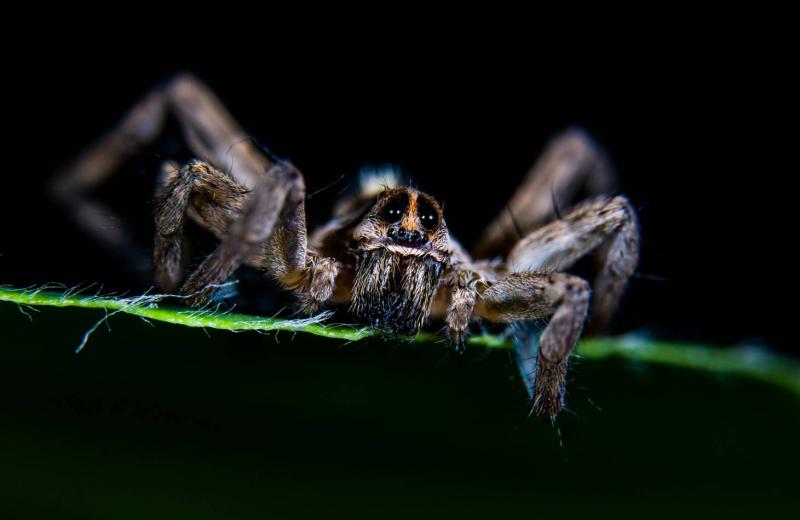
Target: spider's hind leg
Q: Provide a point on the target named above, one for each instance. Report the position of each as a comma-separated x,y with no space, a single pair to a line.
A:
209,130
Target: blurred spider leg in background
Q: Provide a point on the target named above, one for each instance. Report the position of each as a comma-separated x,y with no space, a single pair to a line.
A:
242,207
210,131
572,164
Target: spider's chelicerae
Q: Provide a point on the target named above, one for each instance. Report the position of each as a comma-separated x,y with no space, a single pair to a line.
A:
386,252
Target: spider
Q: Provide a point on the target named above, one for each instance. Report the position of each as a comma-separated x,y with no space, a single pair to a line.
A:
387,251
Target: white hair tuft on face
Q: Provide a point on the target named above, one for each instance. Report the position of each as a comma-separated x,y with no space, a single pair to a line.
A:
375,179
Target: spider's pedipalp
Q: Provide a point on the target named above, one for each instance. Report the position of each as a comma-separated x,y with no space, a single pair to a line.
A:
461,308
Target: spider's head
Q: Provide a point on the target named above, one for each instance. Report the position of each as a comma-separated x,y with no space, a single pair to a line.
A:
406,222
402,248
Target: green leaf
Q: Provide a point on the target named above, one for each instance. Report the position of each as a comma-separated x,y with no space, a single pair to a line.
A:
751,362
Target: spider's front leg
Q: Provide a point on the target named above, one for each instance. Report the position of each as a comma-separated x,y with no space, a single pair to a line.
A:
607,227
533,289
531,296
264,228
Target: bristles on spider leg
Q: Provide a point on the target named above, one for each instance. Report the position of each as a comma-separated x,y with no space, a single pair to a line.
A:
550,388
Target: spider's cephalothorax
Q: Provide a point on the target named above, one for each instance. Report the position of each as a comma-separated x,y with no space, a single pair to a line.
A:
402,248
386,252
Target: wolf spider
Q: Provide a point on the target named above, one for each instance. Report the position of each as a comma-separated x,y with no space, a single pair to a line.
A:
387,251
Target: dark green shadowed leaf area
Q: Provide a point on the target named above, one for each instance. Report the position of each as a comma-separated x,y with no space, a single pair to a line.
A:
315,420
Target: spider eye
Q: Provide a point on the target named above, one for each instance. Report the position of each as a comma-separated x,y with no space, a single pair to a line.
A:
394,209
429,221
428,215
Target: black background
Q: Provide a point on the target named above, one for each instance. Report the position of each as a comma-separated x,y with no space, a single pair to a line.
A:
164,420
694,135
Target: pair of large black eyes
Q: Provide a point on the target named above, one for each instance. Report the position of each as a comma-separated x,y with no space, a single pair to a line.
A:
393,212
429,220
427,215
